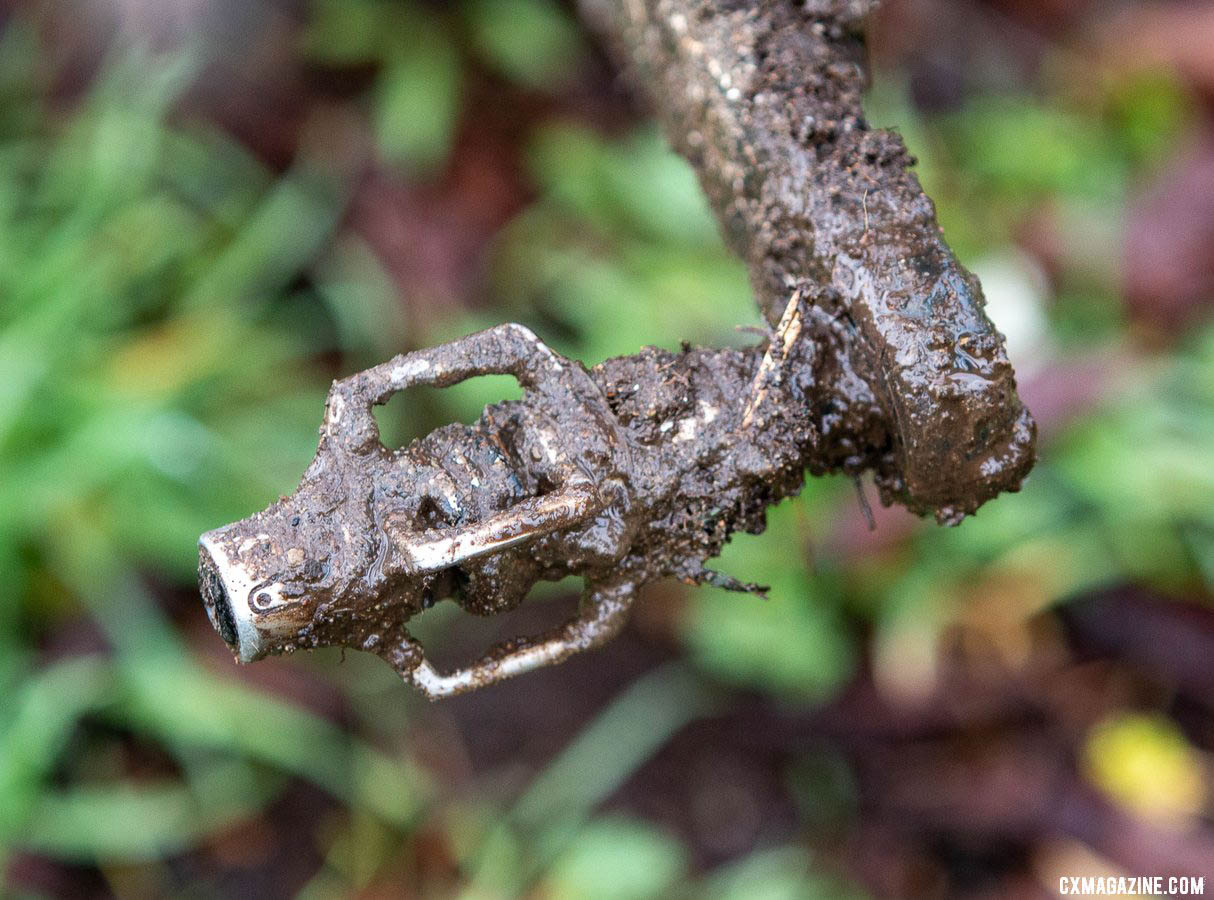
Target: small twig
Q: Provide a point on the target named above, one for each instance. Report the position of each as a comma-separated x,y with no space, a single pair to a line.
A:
787,333
864,505
864,203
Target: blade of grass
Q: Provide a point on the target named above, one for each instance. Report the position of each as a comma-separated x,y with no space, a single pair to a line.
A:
559,802
157,819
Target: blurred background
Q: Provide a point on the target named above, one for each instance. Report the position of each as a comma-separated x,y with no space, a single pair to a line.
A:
210,208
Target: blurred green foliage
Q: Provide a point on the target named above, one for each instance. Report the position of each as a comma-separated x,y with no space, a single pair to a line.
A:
164,302
621,249
147,359
417,99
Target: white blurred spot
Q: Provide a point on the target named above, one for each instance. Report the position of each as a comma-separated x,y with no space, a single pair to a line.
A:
1016,288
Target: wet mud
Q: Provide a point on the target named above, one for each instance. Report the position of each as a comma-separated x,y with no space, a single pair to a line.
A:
880,359
764,100
637,470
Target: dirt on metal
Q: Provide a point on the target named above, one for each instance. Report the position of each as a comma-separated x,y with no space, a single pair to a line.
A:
764,100
880,359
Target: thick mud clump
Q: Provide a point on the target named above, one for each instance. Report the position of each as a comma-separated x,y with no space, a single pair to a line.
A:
764,100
